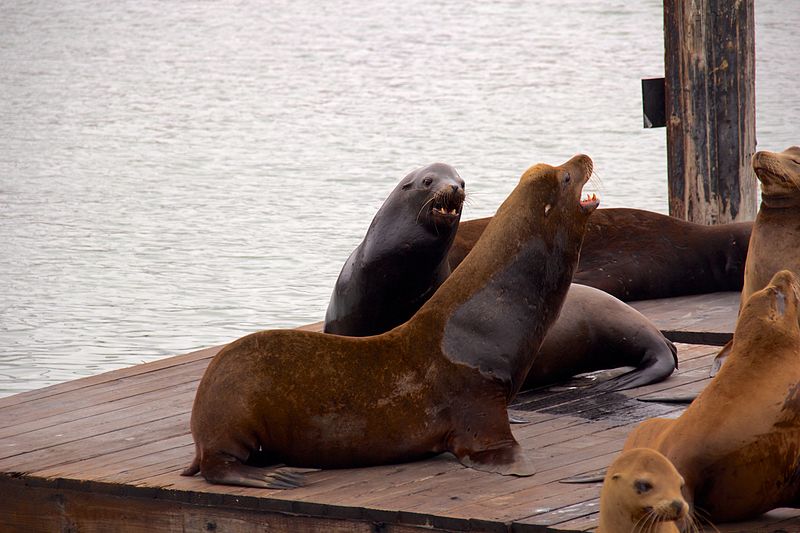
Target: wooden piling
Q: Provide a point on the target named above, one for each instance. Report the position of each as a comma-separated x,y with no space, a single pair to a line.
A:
710,109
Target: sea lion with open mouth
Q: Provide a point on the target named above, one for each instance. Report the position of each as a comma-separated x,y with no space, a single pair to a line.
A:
439,382
403,257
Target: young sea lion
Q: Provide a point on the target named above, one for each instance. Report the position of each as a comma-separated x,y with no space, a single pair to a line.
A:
403,257
738,444
439,382
641,494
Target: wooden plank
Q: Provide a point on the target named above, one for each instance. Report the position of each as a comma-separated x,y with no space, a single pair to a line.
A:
710,107
139,445
697,319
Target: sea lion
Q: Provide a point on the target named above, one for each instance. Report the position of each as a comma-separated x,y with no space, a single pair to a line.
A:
439,382
403,257
738,444
641,494
775,240
640,255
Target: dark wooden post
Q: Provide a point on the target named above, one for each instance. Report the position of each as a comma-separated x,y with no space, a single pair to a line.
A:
710,109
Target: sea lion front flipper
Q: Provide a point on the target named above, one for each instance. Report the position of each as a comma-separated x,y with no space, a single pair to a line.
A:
485,443
509,460
719,359
226,470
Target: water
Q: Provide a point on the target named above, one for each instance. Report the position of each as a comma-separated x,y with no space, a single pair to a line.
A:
176,175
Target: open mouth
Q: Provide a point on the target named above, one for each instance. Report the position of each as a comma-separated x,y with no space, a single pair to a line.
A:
447,203
590,202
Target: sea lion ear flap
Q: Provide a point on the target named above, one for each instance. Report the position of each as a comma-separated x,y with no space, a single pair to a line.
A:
407,186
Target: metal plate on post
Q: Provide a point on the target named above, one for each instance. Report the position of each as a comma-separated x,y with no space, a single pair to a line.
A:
653,103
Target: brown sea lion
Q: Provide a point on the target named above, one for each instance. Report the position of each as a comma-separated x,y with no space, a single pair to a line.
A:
775,239
403,257
641,494
439,382
738,444
639,255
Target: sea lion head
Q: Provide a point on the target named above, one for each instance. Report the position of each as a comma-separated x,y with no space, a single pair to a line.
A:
554,193
775,309
778,172
437,192
641,487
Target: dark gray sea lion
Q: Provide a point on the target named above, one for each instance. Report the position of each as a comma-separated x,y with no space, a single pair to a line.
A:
639,255
403,257
439,382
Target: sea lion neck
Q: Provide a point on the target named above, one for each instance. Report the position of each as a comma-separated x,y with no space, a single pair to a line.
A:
779,201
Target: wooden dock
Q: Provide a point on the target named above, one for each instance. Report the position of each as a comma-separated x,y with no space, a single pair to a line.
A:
104,453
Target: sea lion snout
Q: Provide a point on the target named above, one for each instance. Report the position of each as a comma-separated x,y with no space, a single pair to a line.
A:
778,172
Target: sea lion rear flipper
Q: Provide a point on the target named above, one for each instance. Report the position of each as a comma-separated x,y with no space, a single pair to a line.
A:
588,477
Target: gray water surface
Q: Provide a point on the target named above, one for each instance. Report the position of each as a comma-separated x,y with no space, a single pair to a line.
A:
177,175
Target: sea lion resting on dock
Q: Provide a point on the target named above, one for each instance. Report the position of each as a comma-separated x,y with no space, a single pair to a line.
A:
440,382
641,494
639,255
738,444
394,271
403,257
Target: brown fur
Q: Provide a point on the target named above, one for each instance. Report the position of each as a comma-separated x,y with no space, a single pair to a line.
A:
775,241
641,494
638,255
440,382
738,444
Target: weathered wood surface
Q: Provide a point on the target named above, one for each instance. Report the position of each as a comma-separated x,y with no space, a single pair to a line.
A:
103,453
710,109
699,319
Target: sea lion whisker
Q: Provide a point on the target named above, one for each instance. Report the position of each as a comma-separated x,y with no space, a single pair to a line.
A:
421,209
702,516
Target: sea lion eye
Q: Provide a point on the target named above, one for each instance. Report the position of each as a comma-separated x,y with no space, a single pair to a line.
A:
642,486
567,177
427,181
